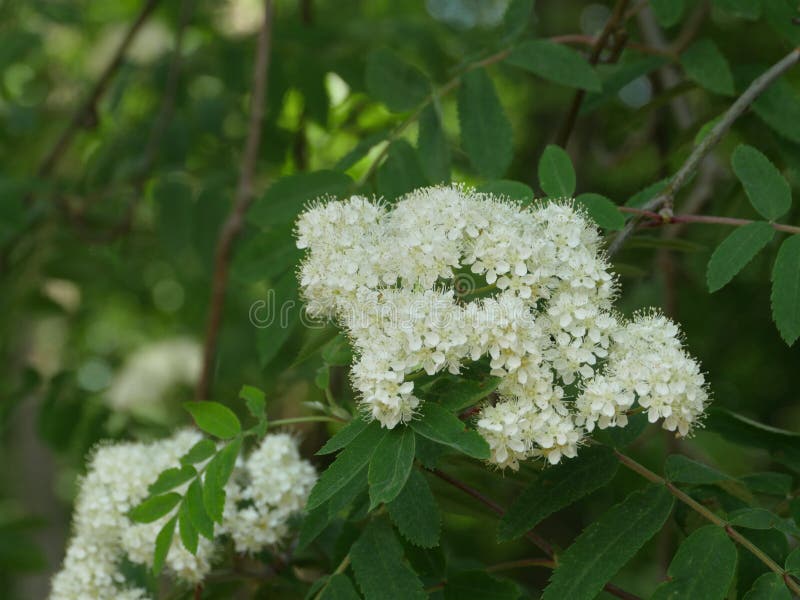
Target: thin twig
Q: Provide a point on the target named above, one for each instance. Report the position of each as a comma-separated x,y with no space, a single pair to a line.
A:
242,201
710,516
339,570
681,177
660,219
614,22
86,113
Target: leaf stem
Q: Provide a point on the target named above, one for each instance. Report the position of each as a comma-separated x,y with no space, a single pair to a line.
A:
339,570
663,219
710,516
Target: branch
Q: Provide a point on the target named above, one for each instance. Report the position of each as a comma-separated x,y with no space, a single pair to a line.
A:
681,177
662,219
710,516
242,201
86,113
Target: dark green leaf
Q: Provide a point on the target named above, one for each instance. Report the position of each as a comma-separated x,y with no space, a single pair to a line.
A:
744,9
401,172
347,465
703,567
607,544
218,472
439,425
775,484
434,152
344,436
667,12
735,252
337,352
279,318
761,518
508,189
154,507
785,445
479,585
458,393
786,289
399,85
415,512
793,562
285,198
339,587
214,418
680,469
486,134
768,191
381,573
197,510
517,18
187,530
779,107
705,65
557,488
555,62
556,175
172,478
390,465
781,15
769,586
163,544
202,450
602,211
255,400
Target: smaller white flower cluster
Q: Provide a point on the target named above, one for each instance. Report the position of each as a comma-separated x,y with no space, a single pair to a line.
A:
391,275
274,481
149,375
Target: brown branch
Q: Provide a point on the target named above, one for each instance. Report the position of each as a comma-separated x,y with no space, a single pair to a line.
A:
242,201
86,114
656,219
614,22
687,169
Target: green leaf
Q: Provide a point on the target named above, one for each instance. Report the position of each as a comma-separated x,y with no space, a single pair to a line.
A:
707,66
197,510
172,478
344,436
218,472
401,172
769,586
347,465
780,14
175,203
779,107
434,152
792,564
187,530
337,352
768,482
602,211
285,198
557,488
479,585
735,252
508,189
399,85
761,518
438,424
784,445
556,63
381,572
202,450
556,175
339,587
680,469
154,507
786,289
667,12
279,318
415,512
517,18
768,191
163,543
456,393
703,567
255,400
214,418
486,133
607,544
390,465
744,9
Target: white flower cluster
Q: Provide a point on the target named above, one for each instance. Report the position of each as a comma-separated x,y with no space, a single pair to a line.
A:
151,373
389,273
274,480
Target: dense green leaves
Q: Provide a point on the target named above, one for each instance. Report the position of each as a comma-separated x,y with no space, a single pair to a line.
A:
486,134
681,469
555,62
706,66
607,544
735,252
381,573
415,512
703,567
154,508
285,198
218,472
557,488
397,84
401,172
215,418
766,188
556,174
434,151
441,426
390,465
510,189
667,12
602,211
769,586
786,289
479,585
